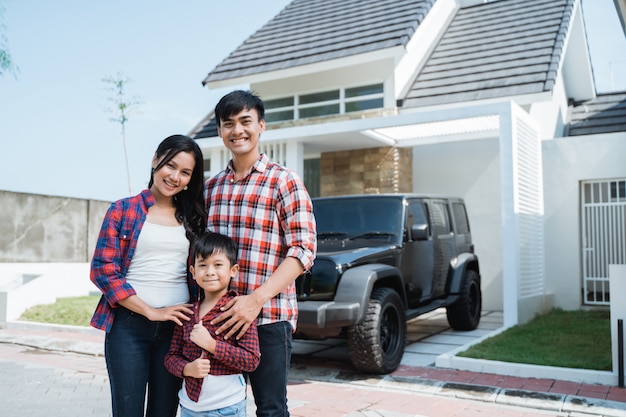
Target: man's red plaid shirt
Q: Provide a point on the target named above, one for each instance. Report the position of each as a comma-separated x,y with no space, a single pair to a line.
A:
270,216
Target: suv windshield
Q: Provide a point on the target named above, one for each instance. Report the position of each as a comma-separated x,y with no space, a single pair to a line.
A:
358,218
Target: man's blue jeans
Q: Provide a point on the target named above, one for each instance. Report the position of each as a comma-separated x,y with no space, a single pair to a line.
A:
134,350
269,380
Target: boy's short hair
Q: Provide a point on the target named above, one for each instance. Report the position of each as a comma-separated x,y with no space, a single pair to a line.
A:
237,101
210,243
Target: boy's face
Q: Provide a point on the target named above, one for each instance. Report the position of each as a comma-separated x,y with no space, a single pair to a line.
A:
214,272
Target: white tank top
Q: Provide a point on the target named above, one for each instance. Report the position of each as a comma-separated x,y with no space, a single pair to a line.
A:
158,270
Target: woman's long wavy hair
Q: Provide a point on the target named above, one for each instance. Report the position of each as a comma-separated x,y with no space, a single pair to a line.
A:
189,203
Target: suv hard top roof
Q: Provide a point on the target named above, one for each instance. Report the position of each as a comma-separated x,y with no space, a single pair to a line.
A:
394,195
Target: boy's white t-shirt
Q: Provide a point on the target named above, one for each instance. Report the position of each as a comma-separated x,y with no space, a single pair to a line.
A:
218,391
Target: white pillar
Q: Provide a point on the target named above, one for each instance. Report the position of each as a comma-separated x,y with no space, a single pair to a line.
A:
510,261
295,157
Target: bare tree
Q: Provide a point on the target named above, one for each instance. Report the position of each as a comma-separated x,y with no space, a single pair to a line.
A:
6,62
122,108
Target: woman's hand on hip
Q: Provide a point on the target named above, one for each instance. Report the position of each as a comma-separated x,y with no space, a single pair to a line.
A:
176,313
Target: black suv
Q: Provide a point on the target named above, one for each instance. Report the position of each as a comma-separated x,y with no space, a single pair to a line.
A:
383,259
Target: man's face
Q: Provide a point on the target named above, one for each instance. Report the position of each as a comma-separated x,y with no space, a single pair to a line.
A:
240,132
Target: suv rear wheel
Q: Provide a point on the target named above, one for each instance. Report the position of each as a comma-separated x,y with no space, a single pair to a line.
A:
464,314
376,344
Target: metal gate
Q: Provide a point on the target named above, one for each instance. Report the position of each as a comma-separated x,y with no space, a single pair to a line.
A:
603,235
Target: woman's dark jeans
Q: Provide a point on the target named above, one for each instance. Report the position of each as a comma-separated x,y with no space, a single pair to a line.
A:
269,380
134,350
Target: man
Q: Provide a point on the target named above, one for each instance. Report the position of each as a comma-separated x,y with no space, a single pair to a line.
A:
266,209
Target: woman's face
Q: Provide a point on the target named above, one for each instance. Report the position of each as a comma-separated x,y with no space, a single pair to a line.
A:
172,177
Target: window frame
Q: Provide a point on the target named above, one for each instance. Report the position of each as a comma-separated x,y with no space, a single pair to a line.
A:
341,101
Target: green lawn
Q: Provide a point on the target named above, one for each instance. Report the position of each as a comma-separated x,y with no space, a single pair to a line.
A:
571,339
76,311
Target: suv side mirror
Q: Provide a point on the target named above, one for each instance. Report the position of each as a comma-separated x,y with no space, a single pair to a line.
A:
419,231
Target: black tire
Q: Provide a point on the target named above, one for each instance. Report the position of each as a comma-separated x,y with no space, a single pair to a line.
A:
376,344
464,314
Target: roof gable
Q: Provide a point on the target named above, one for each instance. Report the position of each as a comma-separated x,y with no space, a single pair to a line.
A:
311,31
495,49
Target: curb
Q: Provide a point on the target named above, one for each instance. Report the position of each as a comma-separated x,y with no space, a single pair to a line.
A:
572,405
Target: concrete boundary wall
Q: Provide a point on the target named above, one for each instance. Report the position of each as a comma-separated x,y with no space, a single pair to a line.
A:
40,228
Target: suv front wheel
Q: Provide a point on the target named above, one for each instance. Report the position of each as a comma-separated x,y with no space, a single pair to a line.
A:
376,344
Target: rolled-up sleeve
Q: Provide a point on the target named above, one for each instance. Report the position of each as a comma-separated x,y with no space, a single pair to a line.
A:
298,221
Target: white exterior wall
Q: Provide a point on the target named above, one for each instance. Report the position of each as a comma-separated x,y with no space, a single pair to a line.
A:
567,162
471,170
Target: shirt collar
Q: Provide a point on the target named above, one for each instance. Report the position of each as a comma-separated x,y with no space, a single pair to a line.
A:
148,198
260,165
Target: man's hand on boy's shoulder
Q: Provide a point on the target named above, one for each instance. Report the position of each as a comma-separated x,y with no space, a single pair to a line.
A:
238,314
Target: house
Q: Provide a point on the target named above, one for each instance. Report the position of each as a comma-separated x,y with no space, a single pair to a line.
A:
493,101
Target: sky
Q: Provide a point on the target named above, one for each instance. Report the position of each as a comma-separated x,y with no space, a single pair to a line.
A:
56,137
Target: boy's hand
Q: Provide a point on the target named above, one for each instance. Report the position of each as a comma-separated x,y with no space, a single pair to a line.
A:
199,368
201,337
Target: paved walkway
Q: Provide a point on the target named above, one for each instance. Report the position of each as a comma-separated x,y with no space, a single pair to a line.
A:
52,370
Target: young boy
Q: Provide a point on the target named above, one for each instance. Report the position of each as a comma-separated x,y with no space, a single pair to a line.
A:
210,365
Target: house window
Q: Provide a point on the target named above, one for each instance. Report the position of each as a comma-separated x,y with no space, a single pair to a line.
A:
618,191
311,176
279,109
364,98
319,97
324,103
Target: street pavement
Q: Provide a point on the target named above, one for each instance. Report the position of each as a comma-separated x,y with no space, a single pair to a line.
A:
59,371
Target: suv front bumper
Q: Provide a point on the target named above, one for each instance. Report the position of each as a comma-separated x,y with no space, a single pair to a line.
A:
315,317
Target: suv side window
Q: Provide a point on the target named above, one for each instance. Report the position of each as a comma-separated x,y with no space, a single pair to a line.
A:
441,220
417,212
460,218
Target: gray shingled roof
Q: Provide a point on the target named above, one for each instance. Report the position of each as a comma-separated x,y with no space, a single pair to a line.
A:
604,114
207,128
310,31
496,49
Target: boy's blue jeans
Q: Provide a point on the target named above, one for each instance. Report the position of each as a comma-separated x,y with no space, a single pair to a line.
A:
134,350
236,410
269,380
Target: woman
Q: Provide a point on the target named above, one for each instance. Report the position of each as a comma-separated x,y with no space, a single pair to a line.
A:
140,265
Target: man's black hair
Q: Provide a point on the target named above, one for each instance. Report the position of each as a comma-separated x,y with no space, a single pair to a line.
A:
237,101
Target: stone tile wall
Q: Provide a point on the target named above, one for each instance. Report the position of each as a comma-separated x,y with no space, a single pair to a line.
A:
366,171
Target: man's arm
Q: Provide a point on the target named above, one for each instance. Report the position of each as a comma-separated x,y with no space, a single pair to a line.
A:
241,311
